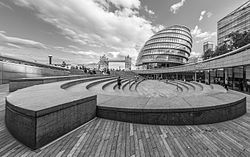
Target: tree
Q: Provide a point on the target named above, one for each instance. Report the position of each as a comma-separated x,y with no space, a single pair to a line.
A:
222,49
246,37
236,40
208,54
64,64
239,39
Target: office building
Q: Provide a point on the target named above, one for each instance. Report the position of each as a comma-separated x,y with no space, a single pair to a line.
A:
208,46
238,20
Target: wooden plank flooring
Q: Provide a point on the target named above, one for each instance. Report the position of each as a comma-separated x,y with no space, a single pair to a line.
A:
102,137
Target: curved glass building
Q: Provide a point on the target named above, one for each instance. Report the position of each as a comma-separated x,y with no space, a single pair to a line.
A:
168,47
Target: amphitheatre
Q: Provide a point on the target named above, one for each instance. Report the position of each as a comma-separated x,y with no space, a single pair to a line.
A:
165,112
144,117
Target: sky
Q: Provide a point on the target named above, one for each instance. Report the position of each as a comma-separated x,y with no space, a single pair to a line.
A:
80,31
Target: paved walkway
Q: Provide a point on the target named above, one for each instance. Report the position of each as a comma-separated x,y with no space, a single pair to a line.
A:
101,137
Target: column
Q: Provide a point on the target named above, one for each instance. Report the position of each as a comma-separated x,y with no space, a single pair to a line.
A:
195,76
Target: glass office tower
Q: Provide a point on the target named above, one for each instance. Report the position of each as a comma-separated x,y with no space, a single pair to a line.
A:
238,20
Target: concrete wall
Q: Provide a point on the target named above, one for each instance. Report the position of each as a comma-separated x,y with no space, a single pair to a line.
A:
38,128
182,116
10,71
16,84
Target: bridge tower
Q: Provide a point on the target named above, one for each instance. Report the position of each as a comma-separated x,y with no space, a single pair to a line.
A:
103,63
128,62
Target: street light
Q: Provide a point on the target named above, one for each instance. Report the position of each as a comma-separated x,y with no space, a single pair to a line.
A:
50,59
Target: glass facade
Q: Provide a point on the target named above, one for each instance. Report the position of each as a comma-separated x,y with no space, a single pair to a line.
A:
168,47
238,77
208,46
238,20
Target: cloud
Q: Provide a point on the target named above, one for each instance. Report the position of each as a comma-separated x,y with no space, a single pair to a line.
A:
5,5
202,14
74,47
175,7
151,12
158,28
201,36
19,42
195,54
126,3
13,46
209,14
91,23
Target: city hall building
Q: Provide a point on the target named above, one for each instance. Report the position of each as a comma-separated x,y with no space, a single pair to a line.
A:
168,47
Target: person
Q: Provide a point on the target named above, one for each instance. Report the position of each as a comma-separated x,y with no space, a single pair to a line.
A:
166,80
241,85
248,85
226,84
119,82
135,78
108,72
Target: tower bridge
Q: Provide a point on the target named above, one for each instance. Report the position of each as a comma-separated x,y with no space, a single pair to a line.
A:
104,62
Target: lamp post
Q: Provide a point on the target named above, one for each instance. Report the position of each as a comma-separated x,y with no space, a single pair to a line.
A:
50,59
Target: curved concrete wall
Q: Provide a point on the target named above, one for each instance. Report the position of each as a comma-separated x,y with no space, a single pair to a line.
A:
181,116
10,71
47,112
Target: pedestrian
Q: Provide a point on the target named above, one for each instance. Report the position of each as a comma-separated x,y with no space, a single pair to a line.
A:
248,85
135,78
226,84
119,82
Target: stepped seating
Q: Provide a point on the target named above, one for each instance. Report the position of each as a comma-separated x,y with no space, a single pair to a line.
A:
197,84
129,87
136,85
181,86
125,74
98,82
126,84
106,84
189,84
122,81
174,84
57,108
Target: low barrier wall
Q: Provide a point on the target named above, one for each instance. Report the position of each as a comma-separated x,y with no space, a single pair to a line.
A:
181,116
38,128
37,115
10,71
16,84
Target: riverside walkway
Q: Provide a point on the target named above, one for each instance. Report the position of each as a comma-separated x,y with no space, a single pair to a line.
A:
101,137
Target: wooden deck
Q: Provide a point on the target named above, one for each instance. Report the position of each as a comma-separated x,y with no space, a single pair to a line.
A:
101,137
